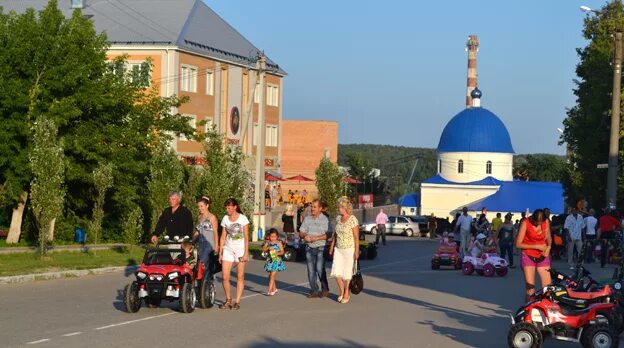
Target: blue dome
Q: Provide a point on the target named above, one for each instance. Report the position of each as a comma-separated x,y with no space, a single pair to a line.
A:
475,130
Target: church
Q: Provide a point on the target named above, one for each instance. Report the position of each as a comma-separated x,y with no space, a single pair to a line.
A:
475,161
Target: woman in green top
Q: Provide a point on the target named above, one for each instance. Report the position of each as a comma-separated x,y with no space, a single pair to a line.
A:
346,242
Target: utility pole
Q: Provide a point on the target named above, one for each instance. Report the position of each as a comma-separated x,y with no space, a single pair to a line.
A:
259,204
614,144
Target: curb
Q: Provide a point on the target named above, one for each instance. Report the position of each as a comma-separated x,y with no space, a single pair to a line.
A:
63,274
81,248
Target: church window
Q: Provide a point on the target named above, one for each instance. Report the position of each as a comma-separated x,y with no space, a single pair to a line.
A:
439,166
460,166
488,167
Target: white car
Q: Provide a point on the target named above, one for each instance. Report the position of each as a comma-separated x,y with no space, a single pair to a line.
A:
397,224
486,265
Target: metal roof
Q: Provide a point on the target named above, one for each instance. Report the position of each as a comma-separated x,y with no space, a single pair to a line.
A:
517,196
188,24
487,181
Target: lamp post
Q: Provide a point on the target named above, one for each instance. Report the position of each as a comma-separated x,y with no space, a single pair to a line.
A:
614,139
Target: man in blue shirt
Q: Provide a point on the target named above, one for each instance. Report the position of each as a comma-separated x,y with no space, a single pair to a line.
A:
314,232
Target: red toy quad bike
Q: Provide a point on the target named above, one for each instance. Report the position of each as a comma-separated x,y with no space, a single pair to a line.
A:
547,316
446,255
164,275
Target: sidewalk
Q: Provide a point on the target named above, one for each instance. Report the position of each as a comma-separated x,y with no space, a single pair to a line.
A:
77,247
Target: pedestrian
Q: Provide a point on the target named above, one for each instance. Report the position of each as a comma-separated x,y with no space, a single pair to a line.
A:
506,239
273,197
606,231
432,226
534,241
464,223
234,246
345,248
206,231
573,228
274,263
381,220
455,231
176,219
482,224
590,235
314,232
280,197
497,222
288,221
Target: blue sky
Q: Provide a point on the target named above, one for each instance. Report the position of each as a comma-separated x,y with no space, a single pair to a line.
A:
394,72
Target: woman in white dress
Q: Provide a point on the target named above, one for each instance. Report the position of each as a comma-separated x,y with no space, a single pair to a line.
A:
345,247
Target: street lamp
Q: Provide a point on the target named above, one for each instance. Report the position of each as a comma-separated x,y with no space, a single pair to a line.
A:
614,139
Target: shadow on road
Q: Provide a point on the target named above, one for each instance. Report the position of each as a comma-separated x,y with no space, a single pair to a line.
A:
269,342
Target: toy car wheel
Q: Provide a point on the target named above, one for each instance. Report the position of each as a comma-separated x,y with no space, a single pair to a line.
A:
206,293
187,298
131,298
488,270
524,335
467,268
599,336
373,231
502,271
409,232
290,254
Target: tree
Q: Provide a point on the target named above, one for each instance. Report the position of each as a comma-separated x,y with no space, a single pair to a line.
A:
133,226
587,123
359,167
46,164
166,175
103,180
329,184
541,167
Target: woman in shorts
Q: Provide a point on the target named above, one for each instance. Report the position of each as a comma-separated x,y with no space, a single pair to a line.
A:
534,241
234,249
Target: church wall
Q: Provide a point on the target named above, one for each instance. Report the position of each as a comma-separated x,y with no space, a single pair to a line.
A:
442,200
475,166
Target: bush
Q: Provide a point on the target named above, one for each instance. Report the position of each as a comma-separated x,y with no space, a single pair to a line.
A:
133,227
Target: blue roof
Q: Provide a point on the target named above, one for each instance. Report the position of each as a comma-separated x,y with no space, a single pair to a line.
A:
409,200
440,180
475,130
517,196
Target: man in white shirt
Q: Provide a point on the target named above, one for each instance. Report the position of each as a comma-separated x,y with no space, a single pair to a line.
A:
463,225
590,235
573,228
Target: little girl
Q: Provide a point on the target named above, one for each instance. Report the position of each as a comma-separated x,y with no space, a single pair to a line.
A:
274,263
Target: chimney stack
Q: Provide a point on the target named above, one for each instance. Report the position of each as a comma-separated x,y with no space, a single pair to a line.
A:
472,47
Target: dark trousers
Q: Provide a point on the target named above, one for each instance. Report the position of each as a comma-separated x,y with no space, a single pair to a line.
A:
604,246
507,249
381,231
590,246
316,268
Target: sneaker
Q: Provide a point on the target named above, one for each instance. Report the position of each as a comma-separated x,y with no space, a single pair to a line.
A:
324,293
313,295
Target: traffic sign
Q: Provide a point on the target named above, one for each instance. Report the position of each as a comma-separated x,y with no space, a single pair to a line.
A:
602,166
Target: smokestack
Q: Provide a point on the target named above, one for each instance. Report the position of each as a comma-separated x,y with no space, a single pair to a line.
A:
472,47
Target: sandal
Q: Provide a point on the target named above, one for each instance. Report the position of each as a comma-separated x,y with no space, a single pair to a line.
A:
227,304
236,305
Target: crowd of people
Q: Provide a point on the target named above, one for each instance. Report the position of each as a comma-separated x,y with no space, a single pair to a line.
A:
275,197
231,247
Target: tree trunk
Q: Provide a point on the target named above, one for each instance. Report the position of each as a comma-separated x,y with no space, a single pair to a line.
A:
16,220
51,231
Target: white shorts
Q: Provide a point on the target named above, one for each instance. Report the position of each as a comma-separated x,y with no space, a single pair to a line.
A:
342,267
233,251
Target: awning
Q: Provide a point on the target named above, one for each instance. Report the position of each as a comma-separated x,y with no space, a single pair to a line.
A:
409,200
517,196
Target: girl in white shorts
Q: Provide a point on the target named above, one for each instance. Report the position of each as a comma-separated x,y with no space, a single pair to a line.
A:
234,249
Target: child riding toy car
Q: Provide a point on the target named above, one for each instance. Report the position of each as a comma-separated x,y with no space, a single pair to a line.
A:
446,254
169,273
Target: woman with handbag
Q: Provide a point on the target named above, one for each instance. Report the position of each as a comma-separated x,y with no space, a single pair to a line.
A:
534,241
206,233
345,248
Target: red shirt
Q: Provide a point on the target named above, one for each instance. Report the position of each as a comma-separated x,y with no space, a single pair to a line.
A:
531,237
608,223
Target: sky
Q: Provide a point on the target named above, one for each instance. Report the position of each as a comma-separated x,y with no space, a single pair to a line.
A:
394,72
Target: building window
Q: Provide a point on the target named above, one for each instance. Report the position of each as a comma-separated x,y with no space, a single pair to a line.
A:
488,167
327,153
193,123
460,166
272,95
271,136
188,78
440,166
257,93
210,82
208,123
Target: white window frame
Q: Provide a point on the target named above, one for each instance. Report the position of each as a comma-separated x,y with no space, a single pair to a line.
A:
192,123
257,93
255,134
271,135
188,78
209,122
210,82
272,95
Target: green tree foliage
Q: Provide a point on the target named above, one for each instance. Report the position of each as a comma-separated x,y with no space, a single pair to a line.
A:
133,226
329,184
103,180
225,175
540,167
359,167
166,175
587,124
47,166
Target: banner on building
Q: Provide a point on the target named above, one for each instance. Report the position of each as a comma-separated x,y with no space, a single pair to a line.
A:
365,201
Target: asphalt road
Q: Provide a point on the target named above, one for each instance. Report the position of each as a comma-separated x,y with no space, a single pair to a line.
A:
404,304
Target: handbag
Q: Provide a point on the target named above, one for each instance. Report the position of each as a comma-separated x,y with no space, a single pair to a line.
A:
214,266
357,282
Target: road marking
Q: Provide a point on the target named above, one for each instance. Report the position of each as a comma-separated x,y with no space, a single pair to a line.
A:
73,334
39,341
133,321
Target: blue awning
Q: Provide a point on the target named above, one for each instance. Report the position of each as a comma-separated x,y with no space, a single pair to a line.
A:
517,196
409,200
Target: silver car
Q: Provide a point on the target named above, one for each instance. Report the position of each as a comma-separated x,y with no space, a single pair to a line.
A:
397,224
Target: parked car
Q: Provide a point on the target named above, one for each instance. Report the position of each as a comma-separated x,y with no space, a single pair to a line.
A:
423,223
397,224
